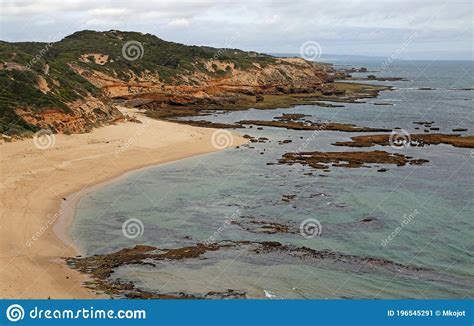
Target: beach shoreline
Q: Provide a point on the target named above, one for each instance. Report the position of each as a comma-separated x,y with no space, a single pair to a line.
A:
41,187
69,207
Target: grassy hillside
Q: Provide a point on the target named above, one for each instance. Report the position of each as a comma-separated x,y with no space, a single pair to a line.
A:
24,65
166,58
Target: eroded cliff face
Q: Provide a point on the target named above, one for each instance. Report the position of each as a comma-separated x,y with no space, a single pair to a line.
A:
39,99
286,75
71,85
216,84
84,115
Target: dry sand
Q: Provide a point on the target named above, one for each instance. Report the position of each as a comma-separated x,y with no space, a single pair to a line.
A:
33,183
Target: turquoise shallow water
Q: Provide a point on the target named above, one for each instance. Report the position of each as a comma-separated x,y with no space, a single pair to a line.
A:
186,202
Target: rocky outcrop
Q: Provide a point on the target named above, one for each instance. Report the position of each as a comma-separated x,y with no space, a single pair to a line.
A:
69,84
415,140
323,160
308,125
101,267
284,76
82,117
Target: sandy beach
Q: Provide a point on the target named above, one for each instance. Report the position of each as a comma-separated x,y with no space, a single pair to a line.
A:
40,183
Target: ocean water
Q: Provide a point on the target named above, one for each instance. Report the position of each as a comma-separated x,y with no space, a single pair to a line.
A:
186,202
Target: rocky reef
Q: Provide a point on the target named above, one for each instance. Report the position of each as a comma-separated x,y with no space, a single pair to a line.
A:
415,140
323,160
307,125
101,267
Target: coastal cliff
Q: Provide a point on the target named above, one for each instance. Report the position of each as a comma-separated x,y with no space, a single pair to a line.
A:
71,86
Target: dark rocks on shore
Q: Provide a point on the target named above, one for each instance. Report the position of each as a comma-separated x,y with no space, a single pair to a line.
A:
256,140
288,198
209,124
259,98
373,77
353,69
328,105
423,122
300,125
291,116
250,224
170,106
285,141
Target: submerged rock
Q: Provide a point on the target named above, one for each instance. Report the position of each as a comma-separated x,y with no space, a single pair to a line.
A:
301,125
416,140
323,160
100,267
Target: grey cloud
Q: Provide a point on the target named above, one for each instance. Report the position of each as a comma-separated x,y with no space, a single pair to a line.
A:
348,27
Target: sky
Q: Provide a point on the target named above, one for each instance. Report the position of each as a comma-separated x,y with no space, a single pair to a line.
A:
403,29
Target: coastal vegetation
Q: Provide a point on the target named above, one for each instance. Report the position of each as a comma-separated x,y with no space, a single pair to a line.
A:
62,76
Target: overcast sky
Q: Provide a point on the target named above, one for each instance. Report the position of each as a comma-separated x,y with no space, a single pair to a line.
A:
412,29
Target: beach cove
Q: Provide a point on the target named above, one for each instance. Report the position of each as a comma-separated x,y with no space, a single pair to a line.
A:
37,180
